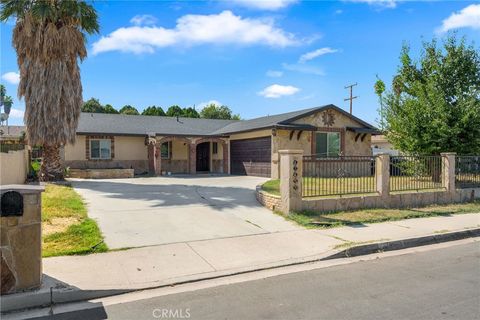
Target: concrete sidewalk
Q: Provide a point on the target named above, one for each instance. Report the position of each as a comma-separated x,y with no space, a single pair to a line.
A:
85,277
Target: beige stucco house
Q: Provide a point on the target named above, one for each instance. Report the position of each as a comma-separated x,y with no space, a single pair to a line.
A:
380,144
162,145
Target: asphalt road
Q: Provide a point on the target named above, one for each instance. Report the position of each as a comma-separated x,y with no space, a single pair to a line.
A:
437,284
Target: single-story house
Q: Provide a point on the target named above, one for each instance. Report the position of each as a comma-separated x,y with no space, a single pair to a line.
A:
380,144
11,134
160,145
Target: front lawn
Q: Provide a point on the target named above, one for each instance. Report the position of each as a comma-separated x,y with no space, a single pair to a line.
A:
316,186
66,228
335,219
327,186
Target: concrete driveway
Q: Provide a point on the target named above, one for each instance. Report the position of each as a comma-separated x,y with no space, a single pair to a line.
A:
158,210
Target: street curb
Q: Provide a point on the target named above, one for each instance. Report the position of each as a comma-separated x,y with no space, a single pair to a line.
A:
378,247
34,299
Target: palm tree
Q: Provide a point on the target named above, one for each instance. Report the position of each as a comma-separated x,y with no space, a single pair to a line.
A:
49,37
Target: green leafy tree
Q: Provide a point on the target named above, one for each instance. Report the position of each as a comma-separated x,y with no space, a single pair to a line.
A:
175,111
434,104
49,38
213,111
153,111
190,113
108,108
93,105
128,109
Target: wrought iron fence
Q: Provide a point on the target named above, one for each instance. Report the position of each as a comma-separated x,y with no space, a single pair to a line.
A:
409,173
467,171
338,176
6,147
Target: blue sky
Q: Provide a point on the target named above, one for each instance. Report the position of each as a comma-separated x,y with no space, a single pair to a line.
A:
257,57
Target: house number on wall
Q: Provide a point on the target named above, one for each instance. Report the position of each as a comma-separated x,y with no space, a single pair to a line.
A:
295,175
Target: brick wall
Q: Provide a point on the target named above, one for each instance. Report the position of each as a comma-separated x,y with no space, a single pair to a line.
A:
269,201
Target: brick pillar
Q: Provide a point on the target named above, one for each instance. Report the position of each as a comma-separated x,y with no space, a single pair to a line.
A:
193,158
448,171
225,157
382,174
291,162
21,240
152,161
158,159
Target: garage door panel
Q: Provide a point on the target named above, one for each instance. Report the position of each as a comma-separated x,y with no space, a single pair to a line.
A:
251,156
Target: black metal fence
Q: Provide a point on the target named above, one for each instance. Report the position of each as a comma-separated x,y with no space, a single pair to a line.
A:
338,176
467,171
6,147
409,173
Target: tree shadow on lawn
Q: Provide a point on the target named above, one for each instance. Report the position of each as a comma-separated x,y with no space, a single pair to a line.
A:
168,195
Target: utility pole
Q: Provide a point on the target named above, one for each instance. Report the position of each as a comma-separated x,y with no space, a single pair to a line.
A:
351,96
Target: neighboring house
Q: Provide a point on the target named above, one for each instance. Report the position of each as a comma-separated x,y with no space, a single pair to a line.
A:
159,145
380,144
11,134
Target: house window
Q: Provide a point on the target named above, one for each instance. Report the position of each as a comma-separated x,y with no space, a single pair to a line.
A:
100,149
215,147
327,144
166,150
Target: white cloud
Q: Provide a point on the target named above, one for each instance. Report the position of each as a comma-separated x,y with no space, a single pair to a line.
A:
277,91
379,3
304,68
202,105
339,11
16,113
222,28
143,20
11,77
468,17
315,54
274,73
264,4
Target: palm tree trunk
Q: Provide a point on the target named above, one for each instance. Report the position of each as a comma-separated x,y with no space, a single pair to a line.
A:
51,169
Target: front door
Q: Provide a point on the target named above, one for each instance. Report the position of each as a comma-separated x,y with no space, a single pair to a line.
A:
203,157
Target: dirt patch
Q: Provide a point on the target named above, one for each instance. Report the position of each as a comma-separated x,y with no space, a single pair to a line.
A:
56,225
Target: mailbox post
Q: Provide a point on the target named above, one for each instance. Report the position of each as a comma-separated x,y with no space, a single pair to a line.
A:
20,237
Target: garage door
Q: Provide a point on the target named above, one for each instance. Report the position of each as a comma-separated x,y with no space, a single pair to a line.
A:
251,157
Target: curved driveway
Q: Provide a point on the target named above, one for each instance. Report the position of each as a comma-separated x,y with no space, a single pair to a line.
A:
157,210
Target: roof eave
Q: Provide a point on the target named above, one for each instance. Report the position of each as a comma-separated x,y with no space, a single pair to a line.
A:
146,134
372,131
328,106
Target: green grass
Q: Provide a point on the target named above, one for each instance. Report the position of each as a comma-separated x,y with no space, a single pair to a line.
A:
81,235
311,219
272,186
313,186
62,202
325,186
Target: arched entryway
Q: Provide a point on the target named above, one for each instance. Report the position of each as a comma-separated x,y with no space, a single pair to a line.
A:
212,153
172,155
203,157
